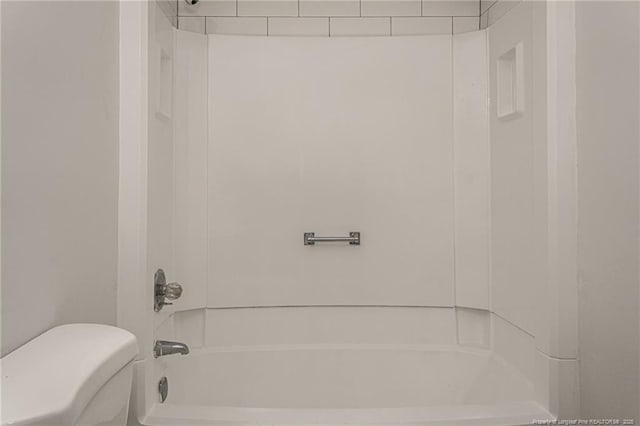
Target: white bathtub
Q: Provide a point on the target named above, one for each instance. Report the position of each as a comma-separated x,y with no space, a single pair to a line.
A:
343,384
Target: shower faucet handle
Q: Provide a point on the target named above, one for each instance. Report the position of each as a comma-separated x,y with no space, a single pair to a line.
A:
172,291
163,291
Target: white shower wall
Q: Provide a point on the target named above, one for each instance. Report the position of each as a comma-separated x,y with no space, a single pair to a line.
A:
518,196
429,317
504,244
191,115
300,139
471,165
257,217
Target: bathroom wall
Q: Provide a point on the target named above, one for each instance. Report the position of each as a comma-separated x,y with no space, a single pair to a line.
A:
608,107
330,17
59,166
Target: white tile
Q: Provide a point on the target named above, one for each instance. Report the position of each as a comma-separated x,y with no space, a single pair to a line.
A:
419,26
484,20
195,24
329,8
267,7
360,26
237,26
298,26
330,325
450,8
208,8
391,8
465,24
485,5
499,9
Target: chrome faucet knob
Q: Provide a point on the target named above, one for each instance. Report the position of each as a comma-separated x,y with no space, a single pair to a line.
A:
172,291
162,291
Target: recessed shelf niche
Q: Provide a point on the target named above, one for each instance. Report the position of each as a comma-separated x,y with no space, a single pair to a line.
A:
510,76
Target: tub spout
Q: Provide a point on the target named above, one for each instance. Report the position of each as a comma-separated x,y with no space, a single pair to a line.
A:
164,347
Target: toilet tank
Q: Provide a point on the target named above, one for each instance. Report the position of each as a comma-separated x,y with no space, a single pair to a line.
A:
75,374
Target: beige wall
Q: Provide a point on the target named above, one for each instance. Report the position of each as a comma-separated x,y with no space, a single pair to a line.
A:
607,126
59,165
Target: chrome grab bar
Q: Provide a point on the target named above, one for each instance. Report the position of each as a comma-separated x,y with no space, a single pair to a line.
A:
310,239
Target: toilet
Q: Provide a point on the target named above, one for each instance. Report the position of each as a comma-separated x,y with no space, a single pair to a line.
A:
75,374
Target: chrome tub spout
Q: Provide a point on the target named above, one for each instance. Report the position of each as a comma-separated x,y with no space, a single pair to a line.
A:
165,347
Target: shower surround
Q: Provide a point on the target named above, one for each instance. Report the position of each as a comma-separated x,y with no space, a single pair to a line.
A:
448,312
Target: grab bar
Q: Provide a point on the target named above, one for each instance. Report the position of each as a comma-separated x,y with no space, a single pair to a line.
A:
310,239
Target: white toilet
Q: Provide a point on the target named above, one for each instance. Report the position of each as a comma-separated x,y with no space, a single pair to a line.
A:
76,374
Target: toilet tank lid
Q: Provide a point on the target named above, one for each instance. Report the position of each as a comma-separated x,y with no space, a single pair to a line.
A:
55,375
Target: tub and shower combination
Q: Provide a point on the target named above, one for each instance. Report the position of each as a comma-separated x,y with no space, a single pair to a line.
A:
339,384
355,229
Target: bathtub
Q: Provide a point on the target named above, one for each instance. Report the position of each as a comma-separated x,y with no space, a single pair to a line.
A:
343,384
